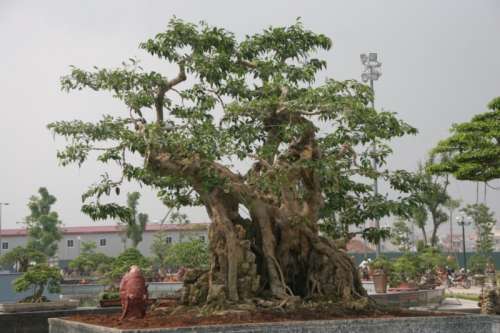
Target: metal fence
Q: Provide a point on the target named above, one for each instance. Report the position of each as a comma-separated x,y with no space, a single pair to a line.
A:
358,257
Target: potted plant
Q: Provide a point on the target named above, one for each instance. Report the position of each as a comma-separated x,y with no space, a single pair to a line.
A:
109,298
381,267
404,273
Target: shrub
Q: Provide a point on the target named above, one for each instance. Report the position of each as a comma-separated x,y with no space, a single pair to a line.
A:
127,258
477,263
406,268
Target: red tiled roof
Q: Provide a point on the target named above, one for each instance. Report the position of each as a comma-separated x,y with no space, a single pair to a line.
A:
111,229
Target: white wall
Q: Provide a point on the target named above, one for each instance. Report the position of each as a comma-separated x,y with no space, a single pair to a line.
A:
114,244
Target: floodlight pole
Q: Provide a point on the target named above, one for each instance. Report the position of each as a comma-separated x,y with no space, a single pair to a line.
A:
1,204
374,161
371,73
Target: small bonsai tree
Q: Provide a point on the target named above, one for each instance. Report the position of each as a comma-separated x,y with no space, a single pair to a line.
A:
38,278
405,269
477,263
381,264
21,258
127,258
90,262
189,254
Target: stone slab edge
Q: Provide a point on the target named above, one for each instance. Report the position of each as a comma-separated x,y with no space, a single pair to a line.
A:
61,325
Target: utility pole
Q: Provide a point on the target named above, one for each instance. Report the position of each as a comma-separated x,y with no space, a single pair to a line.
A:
1,244
372,73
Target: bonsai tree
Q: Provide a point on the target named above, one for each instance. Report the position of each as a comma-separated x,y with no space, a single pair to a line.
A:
382,264
405,269
21,258
127,258
253,100
472,148
477,263
37,278
189,254
401,235
89,261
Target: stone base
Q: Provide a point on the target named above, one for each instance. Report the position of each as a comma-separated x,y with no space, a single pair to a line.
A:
451,324
45,306
411,298
37,322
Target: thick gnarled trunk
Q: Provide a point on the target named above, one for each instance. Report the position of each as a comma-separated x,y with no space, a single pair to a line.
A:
269,257
276,253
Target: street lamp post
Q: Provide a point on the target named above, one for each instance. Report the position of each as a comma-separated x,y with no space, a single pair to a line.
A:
372,73
461,221
1,205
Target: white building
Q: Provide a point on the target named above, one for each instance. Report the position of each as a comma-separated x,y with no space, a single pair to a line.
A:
496,237
109,239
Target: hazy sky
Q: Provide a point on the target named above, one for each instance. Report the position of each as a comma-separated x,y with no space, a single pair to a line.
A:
441,64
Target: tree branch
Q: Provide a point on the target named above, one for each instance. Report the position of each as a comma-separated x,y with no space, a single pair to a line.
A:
164,87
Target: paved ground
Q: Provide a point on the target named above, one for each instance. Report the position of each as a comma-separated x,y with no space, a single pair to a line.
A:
452,305
471,291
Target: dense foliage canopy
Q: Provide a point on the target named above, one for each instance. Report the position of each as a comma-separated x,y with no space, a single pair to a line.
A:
474,147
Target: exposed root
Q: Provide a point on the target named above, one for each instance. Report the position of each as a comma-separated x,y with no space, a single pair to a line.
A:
282,278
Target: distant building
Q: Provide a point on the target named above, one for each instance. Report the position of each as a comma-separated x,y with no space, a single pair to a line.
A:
109,239
360,246
496,237
457,246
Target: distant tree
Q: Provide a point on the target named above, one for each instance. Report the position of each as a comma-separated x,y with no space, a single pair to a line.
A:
43,224
433,196
37,278
401,235
89,261
178,218
21,258
473,148
159,249
484,221
134,223
418,215
160,246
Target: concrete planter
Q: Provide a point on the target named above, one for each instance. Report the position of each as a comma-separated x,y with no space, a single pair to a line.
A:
106,303
30,307
451,324
37,322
